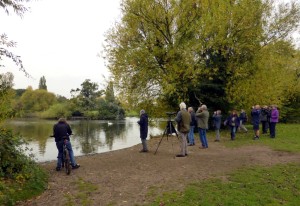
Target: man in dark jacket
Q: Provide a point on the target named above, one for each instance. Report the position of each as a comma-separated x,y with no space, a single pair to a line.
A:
255,114
183,120
264,119
63,130
192,127
143,122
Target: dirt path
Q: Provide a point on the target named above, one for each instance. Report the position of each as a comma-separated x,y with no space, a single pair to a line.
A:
127,177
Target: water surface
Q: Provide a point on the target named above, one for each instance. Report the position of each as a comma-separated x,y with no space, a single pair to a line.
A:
90,136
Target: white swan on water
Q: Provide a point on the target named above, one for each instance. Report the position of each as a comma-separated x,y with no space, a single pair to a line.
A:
109,123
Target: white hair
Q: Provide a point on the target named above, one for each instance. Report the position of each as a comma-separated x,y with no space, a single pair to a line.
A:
204,107
182,105
142,112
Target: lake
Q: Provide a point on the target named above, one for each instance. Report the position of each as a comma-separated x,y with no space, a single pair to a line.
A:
90,136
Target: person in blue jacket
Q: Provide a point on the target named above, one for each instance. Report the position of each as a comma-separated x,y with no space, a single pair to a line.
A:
233,121
255,114
217,118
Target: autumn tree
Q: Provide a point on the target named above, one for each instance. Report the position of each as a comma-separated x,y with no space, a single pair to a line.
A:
163,51
37,100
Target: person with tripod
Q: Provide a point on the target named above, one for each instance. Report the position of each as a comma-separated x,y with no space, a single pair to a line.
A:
183,120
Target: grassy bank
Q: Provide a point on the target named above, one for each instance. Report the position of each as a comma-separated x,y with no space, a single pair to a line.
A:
287,138
277,185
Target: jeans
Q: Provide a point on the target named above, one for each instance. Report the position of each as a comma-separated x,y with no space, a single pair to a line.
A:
232,132
202,135
242,126
59,146
191,135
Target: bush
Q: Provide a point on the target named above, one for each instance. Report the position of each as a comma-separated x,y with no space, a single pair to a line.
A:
20,176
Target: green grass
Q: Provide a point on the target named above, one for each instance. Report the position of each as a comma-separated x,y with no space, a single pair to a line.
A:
277,185
287,138
83,190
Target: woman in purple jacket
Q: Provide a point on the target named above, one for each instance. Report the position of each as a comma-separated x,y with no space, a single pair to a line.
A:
273,120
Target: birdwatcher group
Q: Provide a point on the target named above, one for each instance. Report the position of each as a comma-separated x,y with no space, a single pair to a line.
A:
188,120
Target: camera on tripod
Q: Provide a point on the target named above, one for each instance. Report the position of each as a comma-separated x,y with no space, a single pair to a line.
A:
170,114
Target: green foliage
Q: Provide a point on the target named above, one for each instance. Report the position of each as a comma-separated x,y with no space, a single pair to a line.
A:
165,52
86,99
20,177
249,186
292,109
11,154
267,85
42,83
110,110
6,95
37,100
57,110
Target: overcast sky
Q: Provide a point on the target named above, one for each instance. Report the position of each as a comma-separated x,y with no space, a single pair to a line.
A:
60,39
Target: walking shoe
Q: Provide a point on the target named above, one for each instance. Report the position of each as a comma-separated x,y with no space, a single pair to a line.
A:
191,144
75,166
57,168
142,150
180,155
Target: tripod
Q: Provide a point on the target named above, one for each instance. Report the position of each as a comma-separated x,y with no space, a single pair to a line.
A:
170,129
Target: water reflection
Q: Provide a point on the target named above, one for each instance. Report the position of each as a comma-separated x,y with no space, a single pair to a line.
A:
90,136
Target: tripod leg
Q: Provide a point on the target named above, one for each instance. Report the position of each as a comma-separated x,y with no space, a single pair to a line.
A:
159,143
165,132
